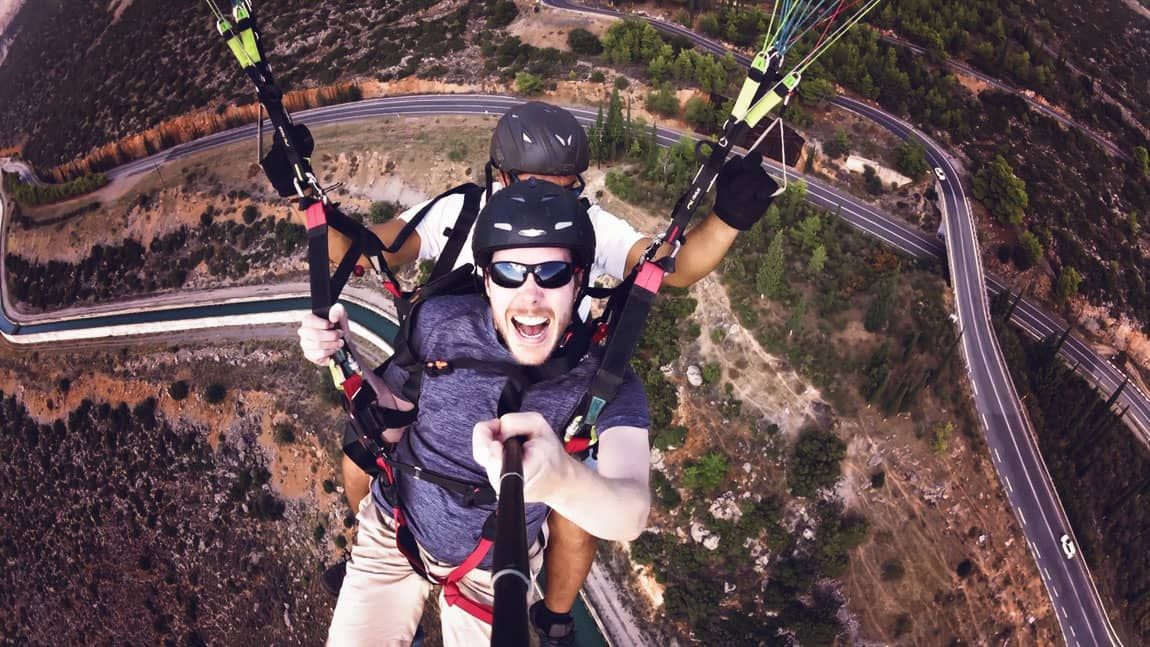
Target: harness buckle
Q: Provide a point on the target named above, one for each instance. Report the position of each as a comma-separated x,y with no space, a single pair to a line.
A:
600,333
438,367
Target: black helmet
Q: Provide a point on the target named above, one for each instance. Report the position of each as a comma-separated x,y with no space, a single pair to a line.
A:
539,138
534,213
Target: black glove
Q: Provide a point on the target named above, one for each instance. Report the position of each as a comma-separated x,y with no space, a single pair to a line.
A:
276,165
743,191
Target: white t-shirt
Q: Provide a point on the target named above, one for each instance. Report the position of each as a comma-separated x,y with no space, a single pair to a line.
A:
614,237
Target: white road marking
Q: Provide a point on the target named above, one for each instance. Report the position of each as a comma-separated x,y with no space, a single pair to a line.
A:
1064,614
997,457
1046,572
1023,519
1008,487
1054,590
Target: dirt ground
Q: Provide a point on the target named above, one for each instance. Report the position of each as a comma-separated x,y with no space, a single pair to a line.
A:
549,26
932,513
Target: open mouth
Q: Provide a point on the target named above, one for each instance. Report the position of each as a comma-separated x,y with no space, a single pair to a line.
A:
530,329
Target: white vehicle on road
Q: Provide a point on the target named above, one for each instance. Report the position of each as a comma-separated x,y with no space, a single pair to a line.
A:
939,174
1068,547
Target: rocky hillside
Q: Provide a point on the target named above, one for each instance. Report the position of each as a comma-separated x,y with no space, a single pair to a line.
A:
161,520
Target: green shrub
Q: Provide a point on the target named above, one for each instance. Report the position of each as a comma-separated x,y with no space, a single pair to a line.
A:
709,25
527,83
815,464
621,83
707,473
910,159
340,542
893,570
502,13
664,491
871,180
215,393
584,42
621,184
712,372
178,390
663,102
251,214
839,145
284,433
383,211
673,436
700,114
598,77
328,486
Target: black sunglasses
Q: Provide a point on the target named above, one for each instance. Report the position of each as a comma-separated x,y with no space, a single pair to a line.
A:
548,275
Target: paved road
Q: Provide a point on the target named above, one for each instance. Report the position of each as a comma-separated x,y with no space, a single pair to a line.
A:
1010,436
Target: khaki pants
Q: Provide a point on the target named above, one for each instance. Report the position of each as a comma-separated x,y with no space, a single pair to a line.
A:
381,601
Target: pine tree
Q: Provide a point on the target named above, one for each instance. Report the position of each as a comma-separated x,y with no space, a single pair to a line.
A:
769,279
613,140
818,260
795,323
595,135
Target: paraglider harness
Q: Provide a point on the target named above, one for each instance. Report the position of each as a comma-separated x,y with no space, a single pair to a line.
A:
618,329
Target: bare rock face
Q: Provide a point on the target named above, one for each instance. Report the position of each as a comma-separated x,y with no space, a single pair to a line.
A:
694,375
657,462
726,508
701,535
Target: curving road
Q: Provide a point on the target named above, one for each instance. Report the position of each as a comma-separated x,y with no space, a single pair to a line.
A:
1010,435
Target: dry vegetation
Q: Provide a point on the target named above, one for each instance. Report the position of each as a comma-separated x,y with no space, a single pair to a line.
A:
145,518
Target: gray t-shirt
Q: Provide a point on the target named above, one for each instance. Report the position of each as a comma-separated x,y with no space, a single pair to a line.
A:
450,405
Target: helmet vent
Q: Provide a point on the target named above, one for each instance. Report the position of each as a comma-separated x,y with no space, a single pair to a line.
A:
527,139
566,142
502,226
531,233
560,226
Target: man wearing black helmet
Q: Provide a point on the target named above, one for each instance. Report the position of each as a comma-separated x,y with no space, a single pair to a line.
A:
537,140
534,244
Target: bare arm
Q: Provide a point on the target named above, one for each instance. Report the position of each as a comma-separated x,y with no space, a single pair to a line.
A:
706,245
338,244
388,400
320,339
612,503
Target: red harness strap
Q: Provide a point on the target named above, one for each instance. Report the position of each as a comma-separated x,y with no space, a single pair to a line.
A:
454,596
451,593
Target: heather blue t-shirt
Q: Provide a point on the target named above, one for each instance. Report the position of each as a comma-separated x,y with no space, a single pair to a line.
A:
456,327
